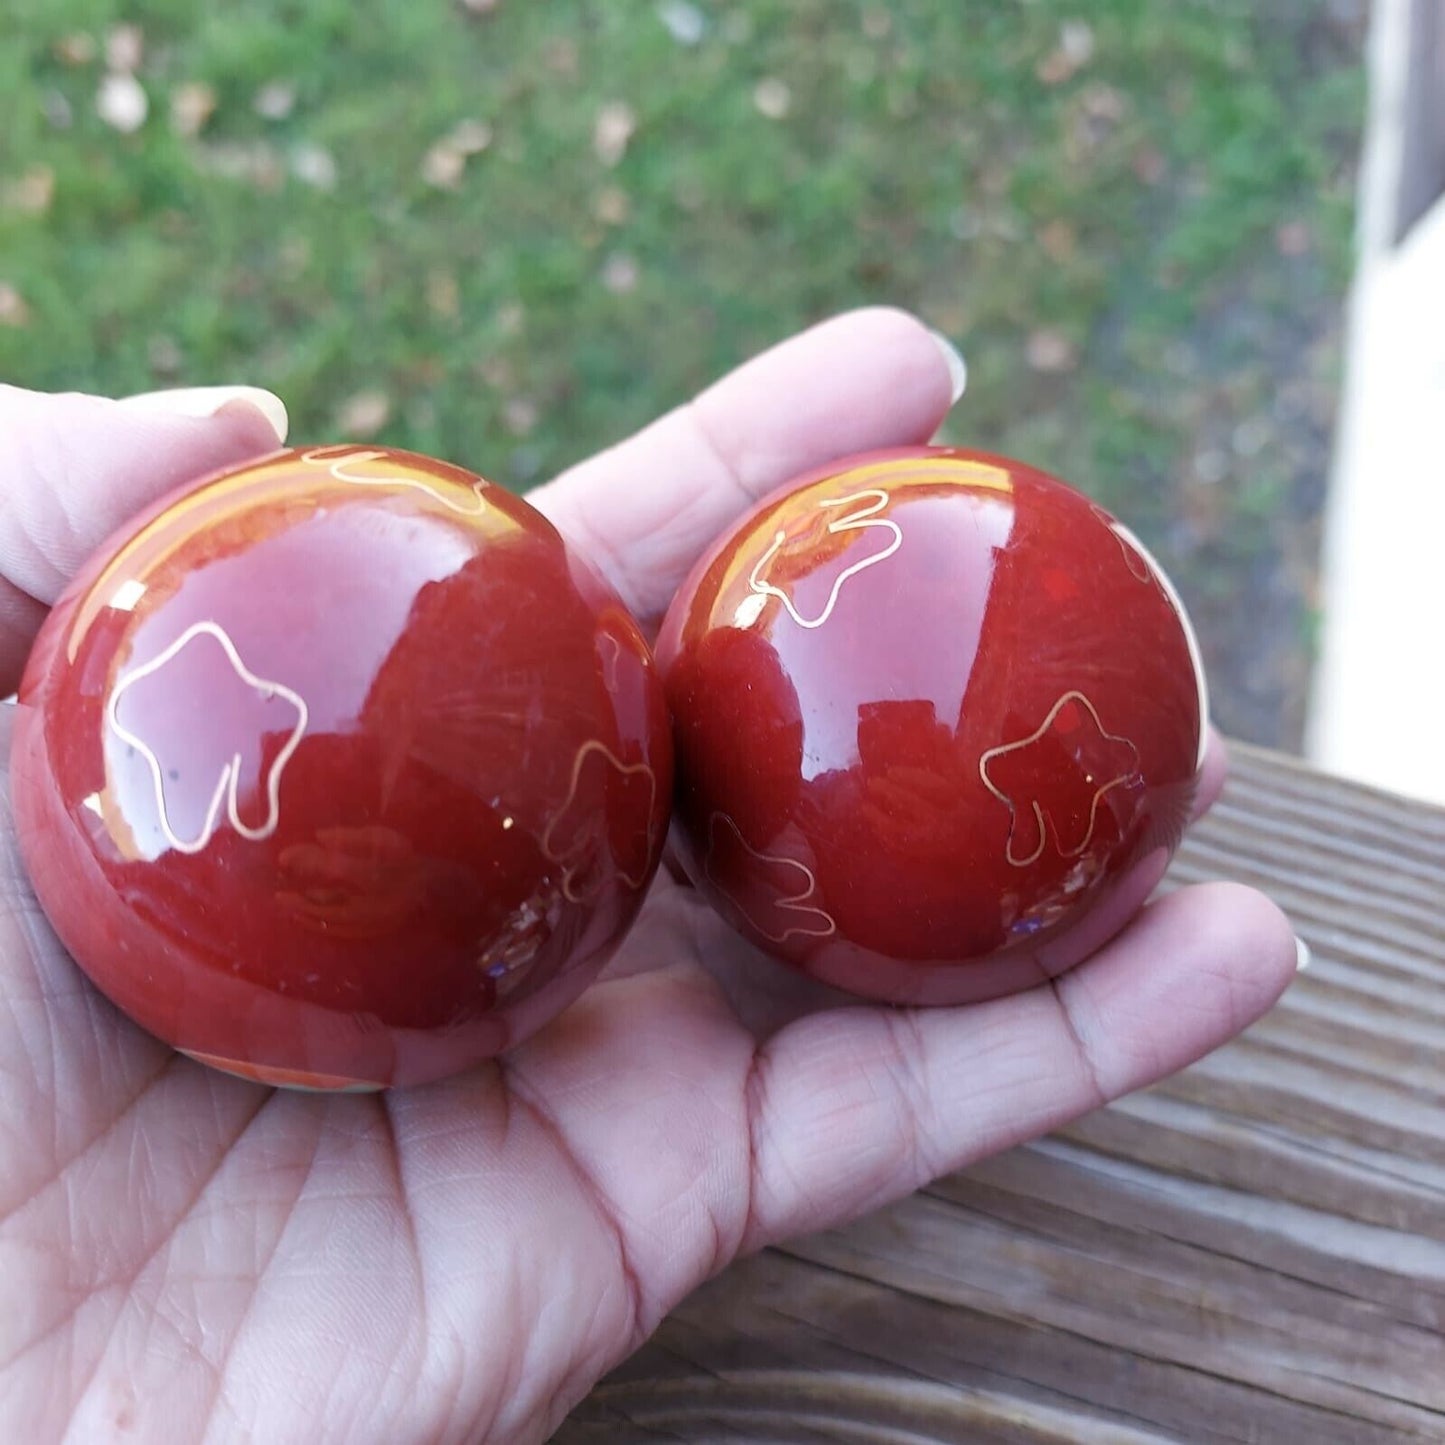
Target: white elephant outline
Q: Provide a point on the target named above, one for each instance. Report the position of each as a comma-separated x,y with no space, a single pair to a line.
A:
229,779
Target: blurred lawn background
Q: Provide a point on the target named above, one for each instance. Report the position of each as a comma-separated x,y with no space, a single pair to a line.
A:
508,233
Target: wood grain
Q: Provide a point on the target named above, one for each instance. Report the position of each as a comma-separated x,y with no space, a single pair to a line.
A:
1251,1251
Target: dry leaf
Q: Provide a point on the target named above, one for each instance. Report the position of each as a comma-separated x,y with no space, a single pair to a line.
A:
620,273
192,105
1051,351
470,137
363,415
32,194
1292,238
121,103
772,97
275,101
877,23
1074,51
443,295
442,167
13,310
520,416
1076,40
1058,240
611,206
1092,120
616,122
685,22
124,48
314,165
511,318
444,163
77,48
1104,103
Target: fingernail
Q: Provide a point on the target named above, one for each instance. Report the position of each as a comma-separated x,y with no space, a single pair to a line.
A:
1301,954
957,366
208,400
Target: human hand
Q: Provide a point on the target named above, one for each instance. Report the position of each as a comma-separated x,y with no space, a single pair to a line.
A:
187,1257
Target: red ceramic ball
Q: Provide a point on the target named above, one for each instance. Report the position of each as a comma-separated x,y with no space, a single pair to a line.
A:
341,770
939,722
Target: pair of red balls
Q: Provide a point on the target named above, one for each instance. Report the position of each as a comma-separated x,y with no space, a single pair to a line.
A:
344,770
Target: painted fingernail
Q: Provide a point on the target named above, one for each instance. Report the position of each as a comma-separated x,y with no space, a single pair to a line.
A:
1301,954
957,366
208,400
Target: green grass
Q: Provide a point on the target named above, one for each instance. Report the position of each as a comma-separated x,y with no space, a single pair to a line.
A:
1132,208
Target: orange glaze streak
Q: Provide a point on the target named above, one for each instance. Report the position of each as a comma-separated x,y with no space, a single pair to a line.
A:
300,480
944,469
277,1077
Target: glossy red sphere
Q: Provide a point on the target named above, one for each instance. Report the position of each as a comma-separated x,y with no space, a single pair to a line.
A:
341,770
939,722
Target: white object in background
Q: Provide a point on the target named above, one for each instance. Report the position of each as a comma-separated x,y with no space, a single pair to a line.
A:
1378,708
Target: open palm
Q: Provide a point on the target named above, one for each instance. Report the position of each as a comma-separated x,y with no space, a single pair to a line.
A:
185,1257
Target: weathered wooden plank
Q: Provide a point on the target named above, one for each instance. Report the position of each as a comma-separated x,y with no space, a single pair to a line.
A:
1252,1251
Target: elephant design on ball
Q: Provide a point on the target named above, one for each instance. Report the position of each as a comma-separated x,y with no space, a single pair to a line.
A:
1069,758
205,662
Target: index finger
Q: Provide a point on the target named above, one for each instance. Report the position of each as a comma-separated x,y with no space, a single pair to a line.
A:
644,509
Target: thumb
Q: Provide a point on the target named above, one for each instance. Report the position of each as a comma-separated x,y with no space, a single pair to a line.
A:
74,467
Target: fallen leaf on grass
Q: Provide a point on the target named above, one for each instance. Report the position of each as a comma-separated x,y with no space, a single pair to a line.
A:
314,165
1058,240
192,105
275,100
1074,51
685,22
13,310
520,415
772,97
77,48
124,47
121,102
363,415
32,194
620,273
612,131
1050,351
446,161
